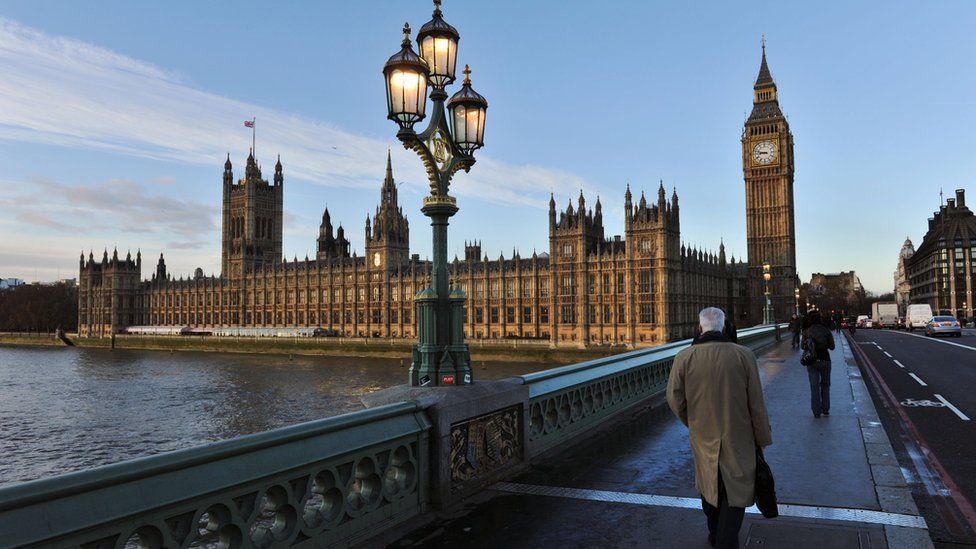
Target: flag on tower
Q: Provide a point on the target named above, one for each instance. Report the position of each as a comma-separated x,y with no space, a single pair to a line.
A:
249,123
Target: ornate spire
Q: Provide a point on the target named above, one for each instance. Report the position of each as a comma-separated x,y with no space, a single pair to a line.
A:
764,78
389,191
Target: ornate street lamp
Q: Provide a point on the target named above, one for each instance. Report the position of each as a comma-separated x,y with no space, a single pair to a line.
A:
768,309
406,84
796,300
447,145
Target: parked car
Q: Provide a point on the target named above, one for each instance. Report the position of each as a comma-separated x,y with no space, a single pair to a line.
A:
868,323
918,316
943,325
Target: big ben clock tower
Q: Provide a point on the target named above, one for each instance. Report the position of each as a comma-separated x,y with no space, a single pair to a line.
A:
767,166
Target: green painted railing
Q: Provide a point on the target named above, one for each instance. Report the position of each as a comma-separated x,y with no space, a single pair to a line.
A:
565,401
325,483
315,484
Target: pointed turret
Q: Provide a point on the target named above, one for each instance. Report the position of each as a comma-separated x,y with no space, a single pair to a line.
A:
628,208
228,172
552,211
279,177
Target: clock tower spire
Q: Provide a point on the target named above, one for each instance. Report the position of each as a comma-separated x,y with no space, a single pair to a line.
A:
767,168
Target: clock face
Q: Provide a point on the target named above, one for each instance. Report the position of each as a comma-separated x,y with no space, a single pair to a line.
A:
764,152
376,259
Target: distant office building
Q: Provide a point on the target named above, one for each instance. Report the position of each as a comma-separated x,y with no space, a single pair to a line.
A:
7,283
902,286
639,288
941,270
841,290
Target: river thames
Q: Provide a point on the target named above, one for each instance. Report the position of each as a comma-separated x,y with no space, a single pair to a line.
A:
67,409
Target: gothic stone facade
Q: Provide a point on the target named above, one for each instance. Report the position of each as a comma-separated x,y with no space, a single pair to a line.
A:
641,288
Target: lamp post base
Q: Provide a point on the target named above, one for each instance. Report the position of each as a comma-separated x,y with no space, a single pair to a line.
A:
440,365
440,357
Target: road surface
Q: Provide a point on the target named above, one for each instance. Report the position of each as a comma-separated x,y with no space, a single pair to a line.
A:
925,392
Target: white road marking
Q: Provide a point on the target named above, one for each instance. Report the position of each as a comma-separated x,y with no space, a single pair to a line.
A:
880,348
938,340
918,379
887,354
651,500
949,405
900,365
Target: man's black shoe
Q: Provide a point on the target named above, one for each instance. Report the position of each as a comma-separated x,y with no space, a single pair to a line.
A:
816,415
826,413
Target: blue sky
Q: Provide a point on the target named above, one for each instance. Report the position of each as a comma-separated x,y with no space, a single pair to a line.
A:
115,118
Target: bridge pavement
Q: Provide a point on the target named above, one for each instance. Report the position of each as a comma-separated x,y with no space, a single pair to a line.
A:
632,485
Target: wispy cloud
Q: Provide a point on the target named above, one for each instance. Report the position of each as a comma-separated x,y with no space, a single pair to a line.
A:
61,91
115,206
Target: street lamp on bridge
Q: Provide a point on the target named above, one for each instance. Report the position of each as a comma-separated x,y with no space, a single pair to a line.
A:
447,145
768,309
796,300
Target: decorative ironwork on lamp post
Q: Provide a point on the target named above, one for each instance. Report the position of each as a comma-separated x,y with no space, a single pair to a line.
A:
447,145
768,309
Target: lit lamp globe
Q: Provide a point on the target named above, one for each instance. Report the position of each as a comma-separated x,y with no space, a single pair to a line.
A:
468,109
438,42
406,84
766,274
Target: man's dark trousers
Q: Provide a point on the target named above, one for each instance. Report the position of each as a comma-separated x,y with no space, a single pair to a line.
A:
819,373
796,338
724,522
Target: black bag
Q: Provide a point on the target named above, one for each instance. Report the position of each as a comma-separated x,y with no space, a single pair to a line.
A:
765,487
808,358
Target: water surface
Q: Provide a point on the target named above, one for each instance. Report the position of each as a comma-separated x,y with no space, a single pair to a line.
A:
64,409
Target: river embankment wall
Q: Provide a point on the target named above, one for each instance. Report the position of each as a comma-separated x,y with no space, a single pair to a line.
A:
503,350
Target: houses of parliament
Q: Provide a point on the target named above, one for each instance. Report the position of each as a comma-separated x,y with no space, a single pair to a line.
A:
641,288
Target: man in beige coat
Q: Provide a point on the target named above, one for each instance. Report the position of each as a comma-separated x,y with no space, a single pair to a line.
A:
714,389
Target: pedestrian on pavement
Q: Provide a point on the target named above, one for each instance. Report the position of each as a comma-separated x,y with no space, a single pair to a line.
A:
819,342
714,389
796,326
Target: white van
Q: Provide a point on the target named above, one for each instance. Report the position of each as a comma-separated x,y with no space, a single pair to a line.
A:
917,316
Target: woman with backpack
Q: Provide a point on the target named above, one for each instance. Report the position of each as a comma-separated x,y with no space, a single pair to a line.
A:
817,344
